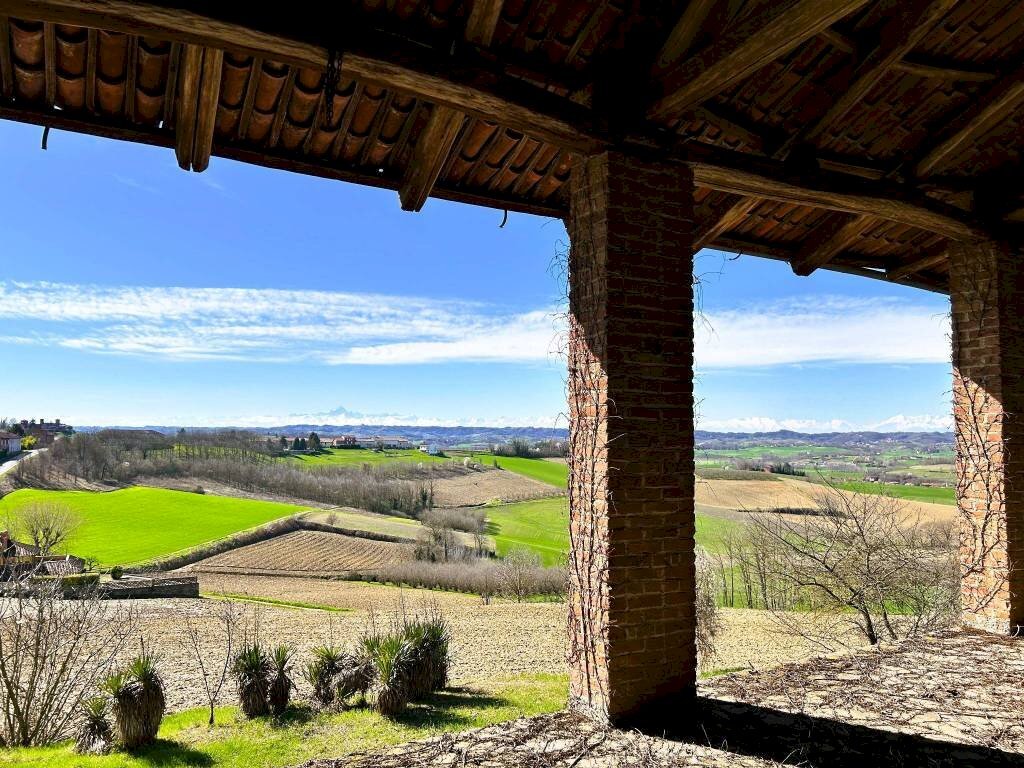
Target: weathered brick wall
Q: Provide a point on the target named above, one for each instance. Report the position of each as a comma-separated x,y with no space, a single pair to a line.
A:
987,292
631,624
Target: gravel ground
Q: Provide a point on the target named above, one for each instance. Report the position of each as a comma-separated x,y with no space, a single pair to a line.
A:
491,642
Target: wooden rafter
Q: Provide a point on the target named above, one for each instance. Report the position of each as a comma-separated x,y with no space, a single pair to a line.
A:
783,253
819,191
830,240
435,143
433,148
188,100
91,57
206,117
749,45
729,218
918,265
6,71
907,26
1005,97
941,70
684,34
467,82
50,62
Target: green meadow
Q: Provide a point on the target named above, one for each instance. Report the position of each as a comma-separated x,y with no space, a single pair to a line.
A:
136,524
185,741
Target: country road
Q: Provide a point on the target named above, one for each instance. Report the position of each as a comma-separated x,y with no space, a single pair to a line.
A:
7,466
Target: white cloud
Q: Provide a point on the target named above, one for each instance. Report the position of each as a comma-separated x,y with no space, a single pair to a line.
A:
898,423
342,328
828,329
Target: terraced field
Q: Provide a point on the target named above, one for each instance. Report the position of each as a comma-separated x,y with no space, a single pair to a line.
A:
305,553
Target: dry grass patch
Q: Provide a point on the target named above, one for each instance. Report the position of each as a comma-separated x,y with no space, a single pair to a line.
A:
482,487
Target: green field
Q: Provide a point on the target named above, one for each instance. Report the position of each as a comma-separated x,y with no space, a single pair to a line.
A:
186,741
551,472
543,527
908,492
138,524
359,456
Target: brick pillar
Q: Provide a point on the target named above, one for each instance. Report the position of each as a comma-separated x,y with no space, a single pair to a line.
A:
987,291
632,652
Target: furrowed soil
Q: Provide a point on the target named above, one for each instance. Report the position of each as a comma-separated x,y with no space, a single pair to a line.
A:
481,487
490,642
308,553
734,498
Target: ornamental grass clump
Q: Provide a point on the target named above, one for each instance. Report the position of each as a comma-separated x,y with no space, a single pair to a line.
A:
429,639
281,683
320,673
393,661
94,735
138,701
252,669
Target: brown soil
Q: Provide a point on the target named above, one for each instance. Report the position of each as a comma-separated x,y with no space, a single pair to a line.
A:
490,642
480,487
308,553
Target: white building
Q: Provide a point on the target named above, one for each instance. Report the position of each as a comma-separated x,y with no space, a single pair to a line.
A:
10,443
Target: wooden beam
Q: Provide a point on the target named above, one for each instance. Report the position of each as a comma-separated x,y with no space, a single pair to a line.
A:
469,81
905,28
6,71
838,41
732,216
50,63
434,145
918,265
740,51
431,153
984,113
206,117
939,70
782,253
819,191
483,21
684,34
829,241
189,80
92,41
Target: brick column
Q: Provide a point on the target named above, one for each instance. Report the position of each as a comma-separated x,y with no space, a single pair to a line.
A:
632,653
987,291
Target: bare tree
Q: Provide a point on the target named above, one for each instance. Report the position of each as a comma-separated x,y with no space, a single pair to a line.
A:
708,618
47,524
214,667
863,562
53,654
518,573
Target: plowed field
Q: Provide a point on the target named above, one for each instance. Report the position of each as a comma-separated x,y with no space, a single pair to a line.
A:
307,552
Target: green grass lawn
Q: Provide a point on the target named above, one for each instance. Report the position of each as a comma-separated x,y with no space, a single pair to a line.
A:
359,456
186,741
138,524
908,492
543,527
550,472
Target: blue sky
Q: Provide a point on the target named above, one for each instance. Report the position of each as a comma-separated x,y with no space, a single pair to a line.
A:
135,293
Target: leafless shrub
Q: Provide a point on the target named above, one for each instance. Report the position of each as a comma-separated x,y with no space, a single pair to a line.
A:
482,576
468,520
53,654
864,563
518,572
709,622
46,524
213,669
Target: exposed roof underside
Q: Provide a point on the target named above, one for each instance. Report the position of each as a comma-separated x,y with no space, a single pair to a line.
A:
858,135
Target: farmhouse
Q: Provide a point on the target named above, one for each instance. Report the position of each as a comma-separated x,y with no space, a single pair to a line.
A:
19,558
345,441
878,139
10,444
387,443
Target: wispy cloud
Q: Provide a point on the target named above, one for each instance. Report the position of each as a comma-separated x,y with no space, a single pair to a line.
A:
134,183
339,328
